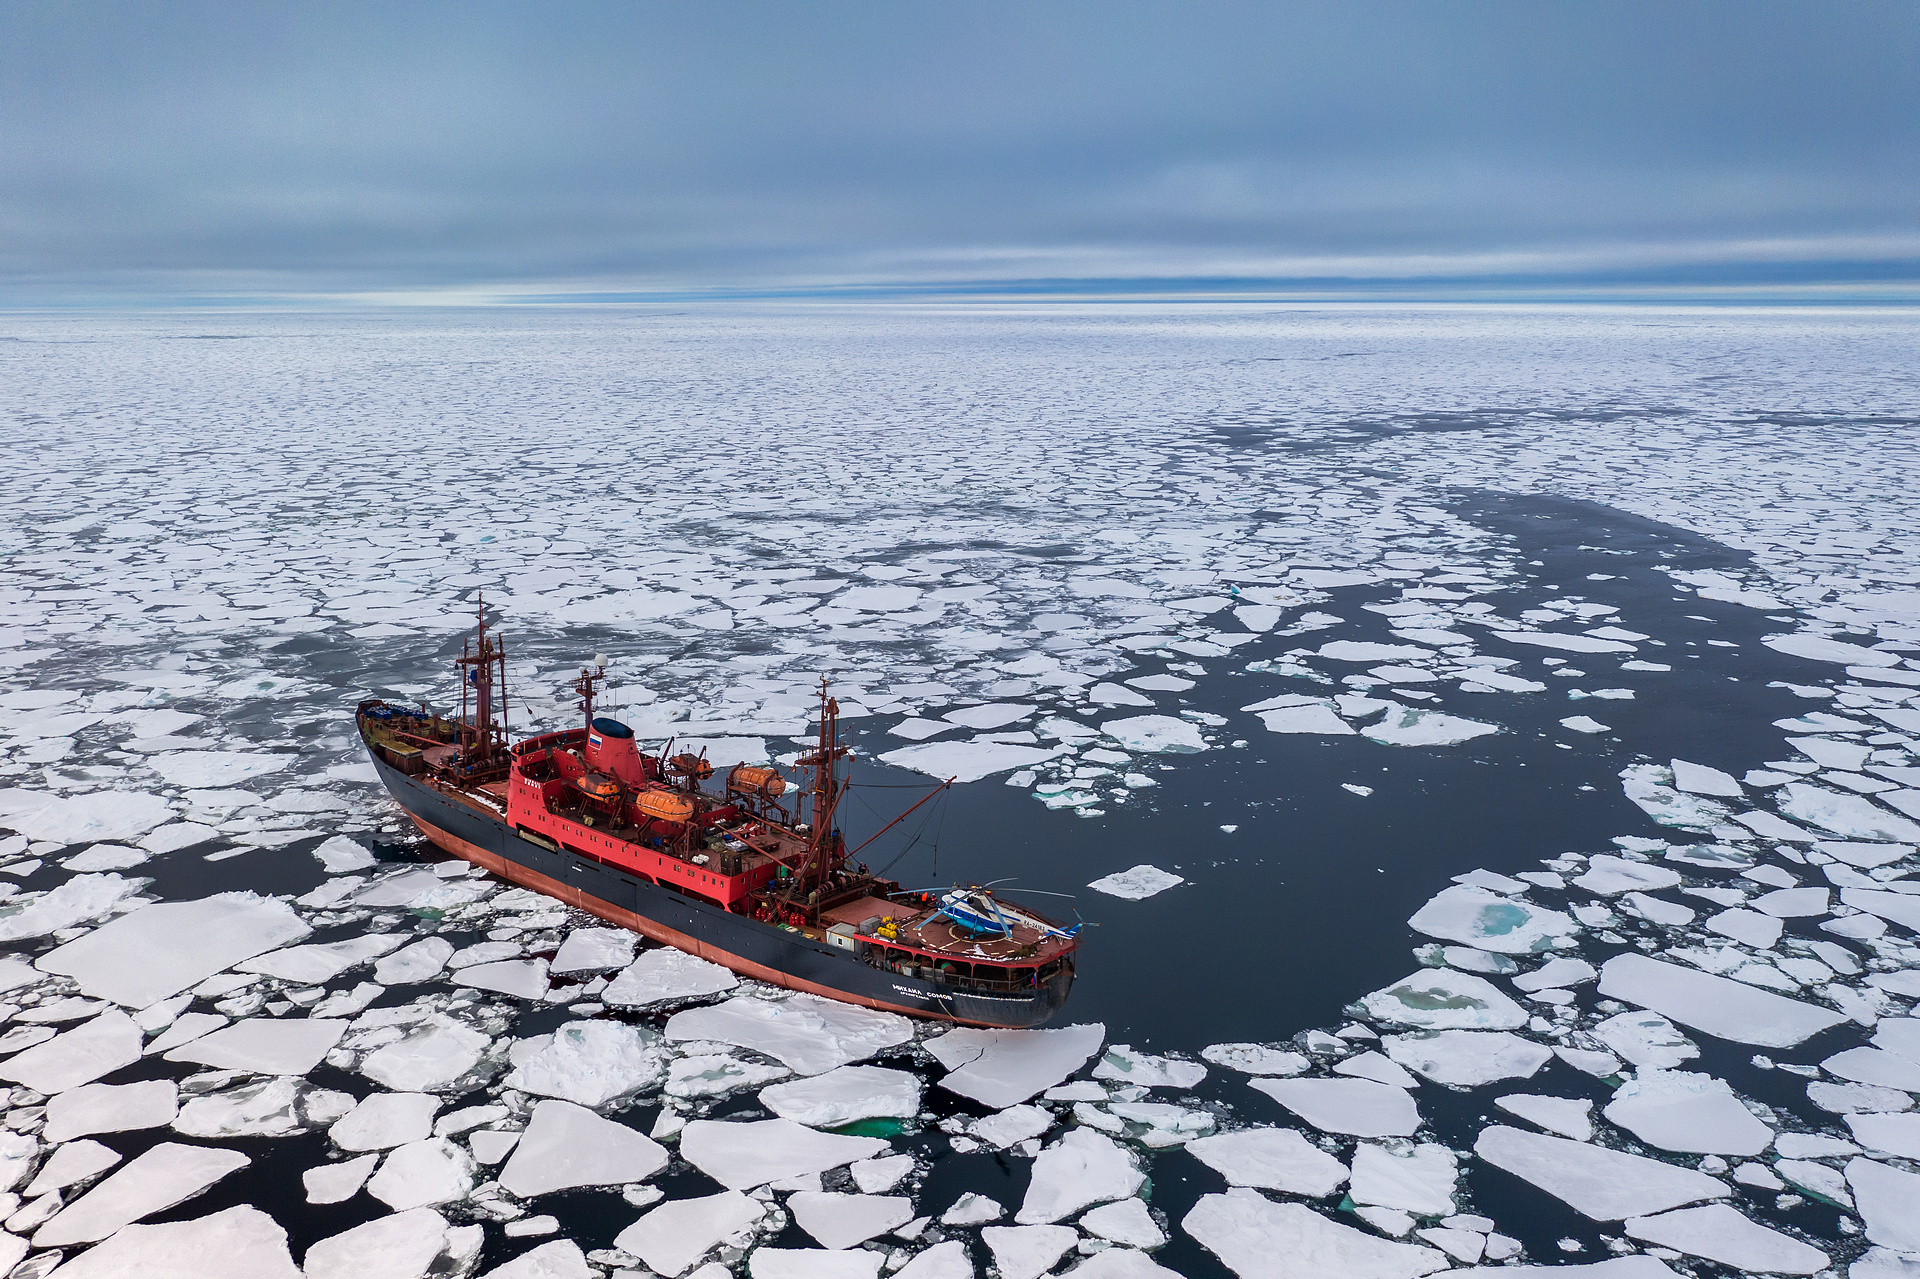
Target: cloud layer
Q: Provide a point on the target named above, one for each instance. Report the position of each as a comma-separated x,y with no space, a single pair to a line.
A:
477,150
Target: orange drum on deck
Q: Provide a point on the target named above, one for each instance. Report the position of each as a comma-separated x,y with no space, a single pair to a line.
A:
748,780
665,805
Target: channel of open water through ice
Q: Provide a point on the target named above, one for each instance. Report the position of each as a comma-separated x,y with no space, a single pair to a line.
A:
1538,556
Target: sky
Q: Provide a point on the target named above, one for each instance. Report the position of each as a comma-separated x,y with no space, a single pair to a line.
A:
478,151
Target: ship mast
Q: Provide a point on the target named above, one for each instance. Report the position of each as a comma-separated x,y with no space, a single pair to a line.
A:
823,841
483,667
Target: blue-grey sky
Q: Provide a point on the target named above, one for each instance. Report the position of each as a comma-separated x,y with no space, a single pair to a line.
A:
474,149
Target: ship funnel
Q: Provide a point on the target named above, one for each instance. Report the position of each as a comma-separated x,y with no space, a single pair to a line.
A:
610,750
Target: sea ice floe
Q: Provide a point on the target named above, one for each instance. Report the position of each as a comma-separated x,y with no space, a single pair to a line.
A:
79,900
1892,1134
589,1063
1716,1005
1889,1202
87,818
1255,1059
845,1094
1442,999
1356,1107
403,1245
1645,1039
807,1034
556,1259
204,770
1819,648
1011,1126
1563,971
287,1046
340,856
1255,1237
1027,1252
1411,726
745,1154
315,965
972,1210
422,961
1849,816
841,1220
246,1242
433,1053
1748,927
946,1260
78,1056
1312,715
157,1179
1607,1185
337,1182
1136,884
967,761
1719,1233
1155,734
162,949
1467,1058
1901,908
275,1107
422,1174
1379,1068
1476,917
1122,1064
1567,1116
1683,1111
384,1120
96,1108
1608,876
565,1146
76,1161
521,978
1001,1068
716,1074
592,950
1125,1221
1080,1169
1412,1178
813,1263
1699,779
1875,1066
1271,1159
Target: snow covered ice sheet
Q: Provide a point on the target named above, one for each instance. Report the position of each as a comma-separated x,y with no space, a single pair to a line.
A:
1001,1068
752,1153
807,1034
565,1145
1716,1005
1607,1185
1250,1234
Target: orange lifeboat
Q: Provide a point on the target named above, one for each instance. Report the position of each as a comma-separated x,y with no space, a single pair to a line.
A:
691,766
665,805
598,786
744,779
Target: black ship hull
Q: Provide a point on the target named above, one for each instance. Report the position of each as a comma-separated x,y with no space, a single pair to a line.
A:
744,945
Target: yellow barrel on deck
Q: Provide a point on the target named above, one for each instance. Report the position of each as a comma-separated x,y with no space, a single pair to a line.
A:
745,779
665,805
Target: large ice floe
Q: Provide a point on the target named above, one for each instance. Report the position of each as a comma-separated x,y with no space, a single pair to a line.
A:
1000,1068
807,1034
